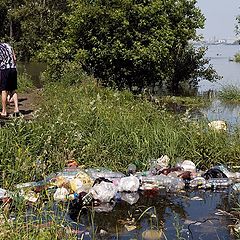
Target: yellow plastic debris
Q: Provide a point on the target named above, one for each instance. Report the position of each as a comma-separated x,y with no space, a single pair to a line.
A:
152,234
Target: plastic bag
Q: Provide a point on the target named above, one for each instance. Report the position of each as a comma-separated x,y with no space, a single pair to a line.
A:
188,165
3,193
129,184
61,194
104,191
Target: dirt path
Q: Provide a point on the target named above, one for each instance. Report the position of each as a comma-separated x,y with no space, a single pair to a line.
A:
28,103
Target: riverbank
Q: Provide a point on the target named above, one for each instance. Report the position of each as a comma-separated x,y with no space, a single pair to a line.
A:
100,127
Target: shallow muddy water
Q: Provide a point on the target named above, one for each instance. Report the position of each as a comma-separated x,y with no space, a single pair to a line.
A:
190,214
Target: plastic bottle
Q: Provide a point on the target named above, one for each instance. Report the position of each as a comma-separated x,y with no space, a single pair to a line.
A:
32,184
69,173
197,182
103,173
87,199
170,183
72,196
216,183
236,187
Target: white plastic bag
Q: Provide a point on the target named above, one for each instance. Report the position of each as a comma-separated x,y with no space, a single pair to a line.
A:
3,193
104,191
61,194
129,184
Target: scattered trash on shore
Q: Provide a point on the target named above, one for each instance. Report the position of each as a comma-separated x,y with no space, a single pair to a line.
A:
101,185
101,188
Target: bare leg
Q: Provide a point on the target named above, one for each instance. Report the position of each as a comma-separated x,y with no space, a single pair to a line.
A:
4,103
15,100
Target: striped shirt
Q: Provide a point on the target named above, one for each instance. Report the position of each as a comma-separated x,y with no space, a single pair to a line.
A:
7,58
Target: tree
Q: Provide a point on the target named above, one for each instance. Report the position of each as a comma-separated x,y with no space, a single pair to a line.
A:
137,43
31,24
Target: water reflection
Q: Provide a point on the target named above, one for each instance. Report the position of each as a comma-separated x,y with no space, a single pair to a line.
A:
227,112
190,213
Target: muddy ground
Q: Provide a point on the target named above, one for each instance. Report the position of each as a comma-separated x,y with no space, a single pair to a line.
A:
28,103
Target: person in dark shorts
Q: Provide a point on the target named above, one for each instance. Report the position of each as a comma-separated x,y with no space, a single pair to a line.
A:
8,78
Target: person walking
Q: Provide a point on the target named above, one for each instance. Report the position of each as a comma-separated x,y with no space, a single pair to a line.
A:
8,78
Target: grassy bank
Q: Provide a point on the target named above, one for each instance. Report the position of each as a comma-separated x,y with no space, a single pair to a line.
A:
101,127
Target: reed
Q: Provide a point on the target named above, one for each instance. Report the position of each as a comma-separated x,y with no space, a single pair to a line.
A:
230,94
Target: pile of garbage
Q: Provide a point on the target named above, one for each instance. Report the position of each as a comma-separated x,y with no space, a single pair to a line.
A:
95,186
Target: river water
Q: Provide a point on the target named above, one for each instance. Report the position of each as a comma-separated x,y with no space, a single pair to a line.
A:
220,56
230,71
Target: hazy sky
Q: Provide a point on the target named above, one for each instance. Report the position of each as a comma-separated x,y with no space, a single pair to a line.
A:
220,18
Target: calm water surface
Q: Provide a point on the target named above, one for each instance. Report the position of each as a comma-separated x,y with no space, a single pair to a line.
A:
192,215
230,72
33,69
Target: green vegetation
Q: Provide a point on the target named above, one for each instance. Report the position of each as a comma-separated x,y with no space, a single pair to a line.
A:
98,127
25,83
101,127
237,57
186,102
119,43
130,45
35,228
230,94
125,44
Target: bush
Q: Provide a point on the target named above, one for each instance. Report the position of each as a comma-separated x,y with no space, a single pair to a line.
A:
237,57
133,44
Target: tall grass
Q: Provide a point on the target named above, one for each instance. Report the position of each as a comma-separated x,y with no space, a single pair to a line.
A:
35,225
24,82
101,127
230,94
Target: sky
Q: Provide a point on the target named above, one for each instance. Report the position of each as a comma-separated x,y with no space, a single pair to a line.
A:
220,18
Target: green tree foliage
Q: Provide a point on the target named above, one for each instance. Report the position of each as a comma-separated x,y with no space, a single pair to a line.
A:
32,24
125,43
41,24
3,17
129,43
